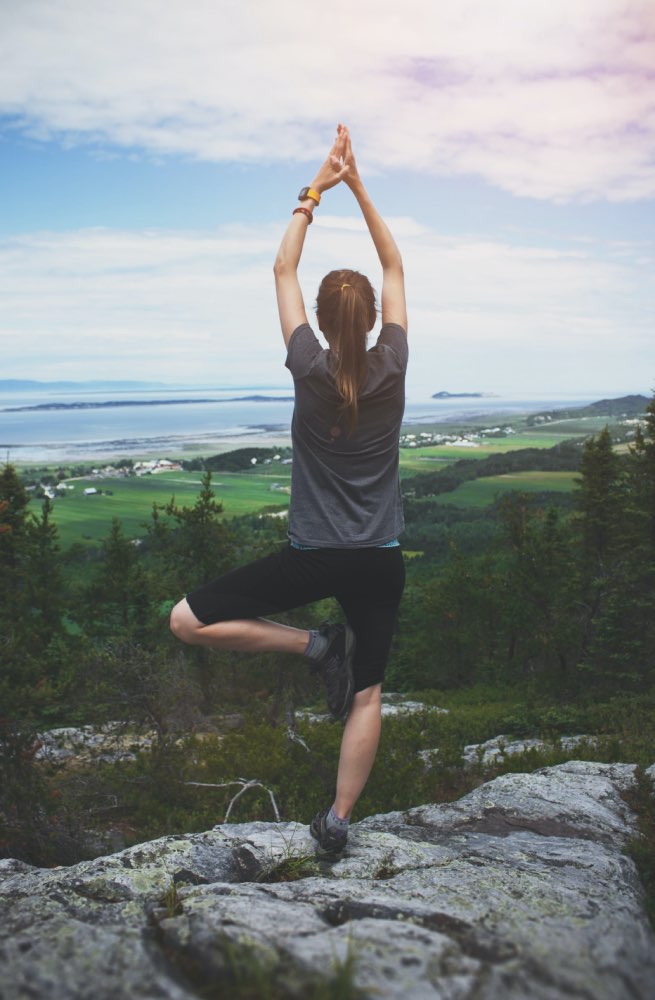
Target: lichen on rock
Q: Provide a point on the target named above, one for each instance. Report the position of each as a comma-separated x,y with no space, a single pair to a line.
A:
520,889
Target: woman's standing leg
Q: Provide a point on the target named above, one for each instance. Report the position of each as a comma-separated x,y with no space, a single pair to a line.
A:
359,745
370,599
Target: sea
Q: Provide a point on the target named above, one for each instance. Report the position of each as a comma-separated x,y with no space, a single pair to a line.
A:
46,424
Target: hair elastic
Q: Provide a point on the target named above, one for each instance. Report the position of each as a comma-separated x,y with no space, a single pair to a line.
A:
345,285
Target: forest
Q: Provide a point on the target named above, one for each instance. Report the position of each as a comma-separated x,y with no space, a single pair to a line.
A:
532,616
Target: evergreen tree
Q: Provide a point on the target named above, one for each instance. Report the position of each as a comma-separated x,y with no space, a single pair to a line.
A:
13,543
190,545
116,604
538,592
642,482
598,499
620,651
44,591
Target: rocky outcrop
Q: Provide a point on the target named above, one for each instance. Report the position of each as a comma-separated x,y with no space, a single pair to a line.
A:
493,751
394,706
110,742
520,891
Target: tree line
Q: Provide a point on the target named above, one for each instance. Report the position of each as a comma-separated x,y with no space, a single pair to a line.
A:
530,592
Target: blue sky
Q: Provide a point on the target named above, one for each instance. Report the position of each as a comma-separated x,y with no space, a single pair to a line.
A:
150,156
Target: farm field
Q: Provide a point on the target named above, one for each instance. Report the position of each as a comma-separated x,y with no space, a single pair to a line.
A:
87,519
481,492
425,458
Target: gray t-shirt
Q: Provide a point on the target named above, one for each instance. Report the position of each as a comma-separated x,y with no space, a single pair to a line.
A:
345,491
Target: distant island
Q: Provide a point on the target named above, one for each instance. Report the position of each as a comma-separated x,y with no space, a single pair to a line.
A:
464,395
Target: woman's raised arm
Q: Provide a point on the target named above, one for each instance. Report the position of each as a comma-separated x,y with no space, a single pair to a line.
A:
291,306
394,308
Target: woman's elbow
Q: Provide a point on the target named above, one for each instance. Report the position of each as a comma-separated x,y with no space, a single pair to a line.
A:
280,266
395,266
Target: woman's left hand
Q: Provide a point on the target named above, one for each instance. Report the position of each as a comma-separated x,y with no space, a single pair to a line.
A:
333,170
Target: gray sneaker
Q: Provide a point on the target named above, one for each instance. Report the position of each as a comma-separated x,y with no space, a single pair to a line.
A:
336,668
328,843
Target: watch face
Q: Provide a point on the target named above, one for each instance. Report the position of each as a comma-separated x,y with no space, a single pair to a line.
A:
304,193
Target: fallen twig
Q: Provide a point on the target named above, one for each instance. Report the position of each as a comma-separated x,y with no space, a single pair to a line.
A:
245,785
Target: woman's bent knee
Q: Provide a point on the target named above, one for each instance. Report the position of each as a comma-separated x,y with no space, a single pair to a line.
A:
370,696
184,623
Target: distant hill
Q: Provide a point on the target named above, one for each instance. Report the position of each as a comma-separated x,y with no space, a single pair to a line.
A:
625,406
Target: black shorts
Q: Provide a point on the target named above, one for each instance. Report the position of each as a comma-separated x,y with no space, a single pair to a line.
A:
367,583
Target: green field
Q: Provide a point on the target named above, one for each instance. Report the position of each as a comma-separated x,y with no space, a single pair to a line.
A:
85,519
481,492
427,458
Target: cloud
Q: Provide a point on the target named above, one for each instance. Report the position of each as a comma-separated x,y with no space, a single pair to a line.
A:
200,306
551,99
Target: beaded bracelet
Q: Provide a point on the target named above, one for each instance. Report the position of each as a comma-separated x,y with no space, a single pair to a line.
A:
305,211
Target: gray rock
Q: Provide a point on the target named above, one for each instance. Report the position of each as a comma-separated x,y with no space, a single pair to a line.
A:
112,741
393,706
520,891
503,746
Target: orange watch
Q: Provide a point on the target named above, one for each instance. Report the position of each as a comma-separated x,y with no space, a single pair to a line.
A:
308,192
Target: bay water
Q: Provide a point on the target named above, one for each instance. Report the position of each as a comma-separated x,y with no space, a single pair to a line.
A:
49,425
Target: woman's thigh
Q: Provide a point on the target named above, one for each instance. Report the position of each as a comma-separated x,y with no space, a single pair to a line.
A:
367,583
284,580
370,599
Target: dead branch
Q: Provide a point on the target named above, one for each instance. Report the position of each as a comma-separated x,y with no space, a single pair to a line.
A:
245,784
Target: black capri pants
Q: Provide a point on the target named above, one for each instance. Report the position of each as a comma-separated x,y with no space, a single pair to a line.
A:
367,583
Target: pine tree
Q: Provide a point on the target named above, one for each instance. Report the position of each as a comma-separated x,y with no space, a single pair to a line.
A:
116,604
43,578
642,483
13,544
540,618
620,651
192,545
598,499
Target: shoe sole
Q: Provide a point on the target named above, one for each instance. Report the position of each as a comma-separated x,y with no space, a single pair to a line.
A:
328,855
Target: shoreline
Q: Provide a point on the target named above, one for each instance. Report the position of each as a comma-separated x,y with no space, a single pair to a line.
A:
203,443
68,454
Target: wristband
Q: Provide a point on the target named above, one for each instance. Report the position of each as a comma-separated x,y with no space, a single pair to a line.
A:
305,211
308,192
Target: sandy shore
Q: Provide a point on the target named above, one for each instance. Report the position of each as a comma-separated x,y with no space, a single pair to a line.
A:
98,453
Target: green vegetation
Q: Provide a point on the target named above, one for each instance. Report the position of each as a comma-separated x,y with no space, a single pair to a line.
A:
253,479
527,612
485,491
245,969
85,519
245,488
642,848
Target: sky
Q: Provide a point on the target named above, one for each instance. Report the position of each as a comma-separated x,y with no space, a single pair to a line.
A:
151,154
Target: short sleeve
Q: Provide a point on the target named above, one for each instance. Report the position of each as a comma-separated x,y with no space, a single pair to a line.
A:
393,337
302,351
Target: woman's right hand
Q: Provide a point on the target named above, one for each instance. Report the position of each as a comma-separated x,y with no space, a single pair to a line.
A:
352,176
334,169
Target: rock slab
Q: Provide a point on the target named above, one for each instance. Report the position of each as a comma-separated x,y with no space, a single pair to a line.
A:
521,890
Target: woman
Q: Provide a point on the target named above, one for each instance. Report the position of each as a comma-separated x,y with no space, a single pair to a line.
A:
346,511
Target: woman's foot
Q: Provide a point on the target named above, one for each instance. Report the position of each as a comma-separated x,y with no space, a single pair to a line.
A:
335,667
330,834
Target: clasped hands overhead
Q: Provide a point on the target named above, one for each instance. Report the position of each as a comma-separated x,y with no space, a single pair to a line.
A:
339,164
